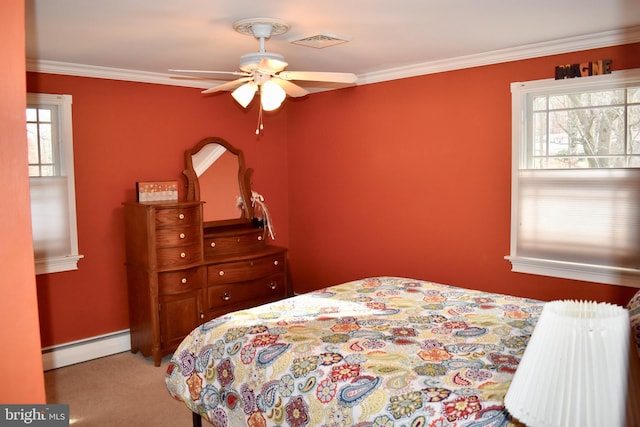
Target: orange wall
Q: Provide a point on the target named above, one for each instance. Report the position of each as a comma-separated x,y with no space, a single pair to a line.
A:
360,182
412,178
126,132
20,360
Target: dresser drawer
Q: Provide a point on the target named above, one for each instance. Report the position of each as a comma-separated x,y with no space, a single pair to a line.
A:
244,294
225,244
249,269
175,282
175,216
178,236
177,256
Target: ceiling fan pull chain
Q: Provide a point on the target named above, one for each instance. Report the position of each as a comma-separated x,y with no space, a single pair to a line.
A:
260,125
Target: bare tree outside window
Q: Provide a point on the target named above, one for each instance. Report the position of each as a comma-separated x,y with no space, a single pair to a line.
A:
587,130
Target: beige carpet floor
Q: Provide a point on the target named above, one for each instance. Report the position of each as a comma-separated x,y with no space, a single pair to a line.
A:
122,390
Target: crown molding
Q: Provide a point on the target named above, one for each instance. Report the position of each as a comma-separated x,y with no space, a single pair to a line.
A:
571,44
81,70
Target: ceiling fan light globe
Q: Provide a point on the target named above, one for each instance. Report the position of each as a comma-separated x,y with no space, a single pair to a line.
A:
271,95
245,93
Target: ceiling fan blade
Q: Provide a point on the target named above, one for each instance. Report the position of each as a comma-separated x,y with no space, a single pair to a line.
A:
197,78
318,76
228,85
292,89
233,73
271,65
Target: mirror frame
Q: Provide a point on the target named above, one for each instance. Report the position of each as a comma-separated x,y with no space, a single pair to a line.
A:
244,183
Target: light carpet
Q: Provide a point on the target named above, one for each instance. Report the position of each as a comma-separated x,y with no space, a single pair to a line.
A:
122,390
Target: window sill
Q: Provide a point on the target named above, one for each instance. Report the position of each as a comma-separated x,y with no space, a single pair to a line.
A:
58,264
568,270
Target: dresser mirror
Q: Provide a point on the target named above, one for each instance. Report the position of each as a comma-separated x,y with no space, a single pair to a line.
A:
216,175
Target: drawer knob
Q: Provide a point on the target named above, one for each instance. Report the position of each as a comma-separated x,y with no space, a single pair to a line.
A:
251,263
201,315
183,255
181,216
182,235
221,273
273,285
183,280
238,240
275,262
259,238
226,296
213,244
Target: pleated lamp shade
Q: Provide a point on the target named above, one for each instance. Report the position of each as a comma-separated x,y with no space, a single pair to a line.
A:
574,369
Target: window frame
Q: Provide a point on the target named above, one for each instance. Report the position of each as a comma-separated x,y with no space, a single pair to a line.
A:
520,119
64,129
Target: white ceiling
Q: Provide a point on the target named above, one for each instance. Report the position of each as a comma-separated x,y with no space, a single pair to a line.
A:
389,39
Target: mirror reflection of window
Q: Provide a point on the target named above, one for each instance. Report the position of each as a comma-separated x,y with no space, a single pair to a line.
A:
206,157
219,187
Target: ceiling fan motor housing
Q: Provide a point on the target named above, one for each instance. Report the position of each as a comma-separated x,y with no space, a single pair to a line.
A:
250,61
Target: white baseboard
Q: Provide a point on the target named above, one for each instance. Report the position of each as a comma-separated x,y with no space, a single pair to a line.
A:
74,352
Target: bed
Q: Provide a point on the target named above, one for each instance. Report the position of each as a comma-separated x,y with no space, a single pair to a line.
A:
379,352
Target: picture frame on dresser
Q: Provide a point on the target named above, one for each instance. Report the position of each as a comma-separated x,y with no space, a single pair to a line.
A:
154,191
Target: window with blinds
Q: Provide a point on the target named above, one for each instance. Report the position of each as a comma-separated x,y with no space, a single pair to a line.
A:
576,178
52,186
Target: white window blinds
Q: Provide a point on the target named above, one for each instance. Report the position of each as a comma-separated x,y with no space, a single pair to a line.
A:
586,216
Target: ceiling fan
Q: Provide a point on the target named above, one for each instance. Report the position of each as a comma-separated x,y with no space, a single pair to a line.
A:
264,72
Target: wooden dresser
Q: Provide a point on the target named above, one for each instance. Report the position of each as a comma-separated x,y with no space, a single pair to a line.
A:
181,274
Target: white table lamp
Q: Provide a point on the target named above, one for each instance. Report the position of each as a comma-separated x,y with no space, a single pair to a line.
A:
574,369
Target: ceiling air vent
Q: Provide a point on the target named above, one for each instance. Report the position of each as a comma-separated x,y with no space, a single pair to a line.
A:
321,40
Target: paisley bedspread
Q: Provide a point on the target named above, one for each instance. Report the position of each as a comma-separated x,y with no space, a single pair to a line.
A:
383,351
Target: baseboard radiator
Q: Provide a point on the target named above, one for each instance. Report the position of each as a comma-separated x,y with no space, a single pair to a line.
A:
80,351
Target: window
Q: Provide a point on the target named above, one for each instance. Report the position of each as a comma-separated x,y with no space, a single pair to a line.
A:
51,178
576,178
